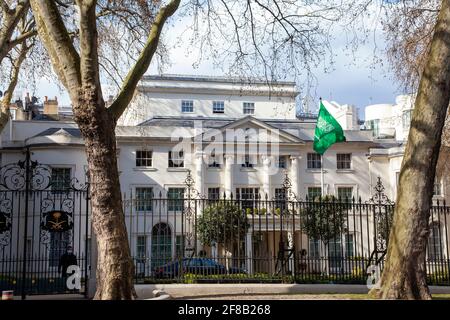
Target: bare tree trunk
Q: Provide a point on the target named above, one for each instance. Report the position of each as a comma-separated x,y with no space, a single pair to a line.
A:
115,267
404,276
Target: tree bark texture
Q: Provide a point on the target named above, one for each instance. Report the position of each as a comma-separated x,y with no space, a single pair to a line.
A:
404,275
115,268
79,73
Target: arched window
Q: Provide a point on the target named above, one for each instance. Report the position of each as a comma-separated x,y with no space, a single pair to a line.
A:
434,247
161,244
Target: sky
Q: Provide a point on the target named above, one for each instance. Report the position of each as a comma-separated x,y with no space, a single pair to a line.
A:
354,78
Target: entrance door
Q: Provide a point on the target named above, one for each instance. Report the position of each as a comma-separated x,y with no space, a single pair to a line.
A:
161,245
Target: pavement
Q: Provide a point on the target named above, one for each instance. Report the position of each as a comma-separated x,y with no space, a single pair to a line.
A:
239,291
246,290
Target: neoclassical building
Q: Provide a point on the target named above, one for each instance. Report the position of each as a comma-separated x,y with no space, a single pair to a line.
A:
237,138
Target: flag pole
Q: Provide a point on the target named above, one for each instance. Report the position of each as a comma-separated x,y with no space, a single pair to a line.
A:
321,170
321,177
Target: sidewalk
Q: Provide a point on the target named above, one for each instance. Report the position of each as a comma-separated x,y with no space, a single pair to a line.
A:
203,290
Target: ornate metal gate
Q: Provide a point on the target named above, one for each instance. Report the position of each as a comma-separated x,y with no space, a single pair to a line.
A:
44,230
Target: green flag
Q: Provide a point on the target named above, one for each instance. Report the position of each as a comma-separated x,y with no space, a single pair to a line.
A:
328,131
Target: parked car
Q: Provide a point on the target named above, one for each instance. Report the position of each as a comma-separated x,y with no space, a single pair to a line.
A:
202,266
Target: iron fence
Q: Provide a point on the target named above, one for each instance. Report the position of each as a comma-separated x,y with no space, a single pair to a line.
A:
253,238
44,229
182,236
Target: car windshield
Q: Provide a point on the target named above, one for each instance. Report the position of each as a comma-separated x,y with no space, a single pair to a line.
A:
193,262
209,262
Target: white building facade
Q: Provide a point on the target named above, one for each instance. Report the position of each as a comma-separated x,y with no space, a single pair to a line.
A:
237,139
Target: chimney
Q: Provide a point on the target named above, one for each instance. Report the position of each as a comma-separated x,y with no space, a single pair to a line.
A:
51,108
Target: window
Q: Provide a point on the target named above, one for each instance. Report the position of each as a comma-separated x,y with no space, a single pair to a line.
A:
218,107
213,193
187,106
144,198
434,246
59,241
375,126
213,161
349,245
314,161
176,159
314,192
248,197
247,162
141,246
161,247
437,188
344,161
280,199
249,108
314,248
406,119
345,193
175,199
282,163
335,254
61,179
179,246
144,158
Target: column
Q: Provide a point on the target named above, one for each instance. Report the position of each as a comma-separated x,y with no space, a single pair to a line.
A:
294,174
229,175
199,172
266,190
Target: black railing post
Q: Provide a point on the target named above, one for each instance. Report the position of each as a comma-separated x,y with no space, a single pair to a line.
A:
86,282
25,233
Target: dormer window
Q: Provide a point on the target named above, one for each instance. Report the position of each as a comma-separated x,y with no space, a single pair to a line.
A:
249,108
218,107
187,106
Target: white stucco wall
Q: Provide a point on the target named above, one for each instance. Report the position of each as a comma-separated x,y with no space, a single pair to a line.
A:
163,98
390,116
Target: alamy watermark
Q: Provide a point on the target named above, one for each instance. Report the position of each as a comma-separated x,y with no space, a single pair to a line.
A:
74,279
374,277
242,146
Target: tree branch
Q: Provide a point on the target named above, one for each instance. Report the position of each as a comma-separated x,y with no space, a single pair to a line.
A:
6,100
64,57
88,44
10,21
4,6
143,62
21,38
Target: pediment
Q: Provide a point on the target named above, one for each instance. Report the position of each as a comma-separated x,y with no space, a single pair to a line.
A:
250,129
